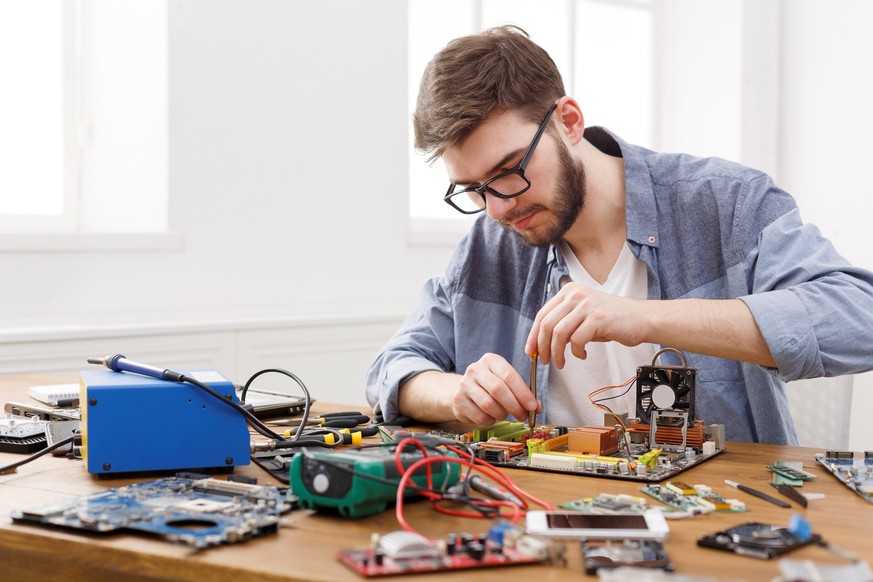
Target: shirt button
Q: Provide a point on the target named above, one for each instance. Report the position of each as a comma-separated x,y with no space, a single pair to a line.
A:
651,240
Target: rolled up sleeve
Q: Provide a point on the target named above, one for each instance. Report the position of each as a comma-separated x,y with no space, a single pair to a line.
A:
814,309
424,342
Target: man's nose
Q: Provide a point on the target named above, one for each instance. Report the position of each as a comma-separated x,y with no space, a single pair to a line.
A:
497,207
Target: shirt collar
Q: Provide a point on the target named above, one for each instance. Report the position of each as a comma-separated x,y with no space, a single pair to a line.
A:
640,209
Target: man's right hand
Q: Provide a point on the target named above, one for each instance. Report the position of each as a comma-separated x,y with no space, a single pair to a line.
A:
490,390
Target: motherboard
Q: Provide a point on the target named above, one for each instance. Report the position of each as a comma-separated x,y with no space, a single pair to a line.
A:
596,451
853,471
190,509
664,439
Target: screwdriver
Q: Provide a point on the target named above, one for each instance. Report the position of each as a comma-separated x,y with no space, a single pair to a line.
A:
351,436
329,421
532,420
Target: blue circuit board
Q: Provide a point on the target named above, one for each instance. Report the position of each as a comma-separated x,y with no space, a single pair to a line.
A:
189,509
855,472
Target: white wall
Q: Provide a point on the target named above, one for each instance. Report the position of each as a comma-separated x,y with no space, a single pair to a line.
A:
287,176
825,125
288,165
784,87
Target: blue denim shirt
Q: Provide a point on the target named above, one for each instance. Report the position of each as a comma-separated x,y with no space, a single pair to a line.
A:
706,228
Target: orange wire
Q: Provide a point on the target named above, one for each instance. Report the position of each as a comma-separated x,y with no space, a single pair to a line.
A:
606,408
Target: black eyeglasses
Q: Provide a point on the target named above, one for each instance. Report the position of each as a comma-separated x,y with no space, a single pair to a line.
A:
508,184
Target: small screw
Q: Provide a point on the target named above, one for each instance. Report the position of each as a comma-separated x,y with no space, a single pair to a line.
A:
229,460
106,466
92,402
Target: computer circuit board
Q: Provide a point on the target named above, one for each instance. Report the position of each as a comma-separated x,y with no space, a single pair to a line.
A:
855,472
695,499
189,509
607,503
593,451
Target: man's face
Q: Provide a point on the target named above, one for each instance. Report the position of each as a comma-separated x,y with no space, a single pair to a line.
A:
544,213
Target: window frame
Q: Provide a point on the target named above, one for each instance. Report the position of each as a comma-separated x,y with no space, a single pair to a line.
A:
447,231
85,223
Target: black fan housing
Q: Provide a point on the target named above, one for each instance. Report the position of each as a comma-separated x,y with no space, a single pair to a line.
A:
665,388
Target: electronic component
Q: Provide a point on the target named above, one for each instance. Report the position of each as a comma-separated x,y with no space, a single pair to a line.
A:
854,472
597,440
665,388
133,423
22,434
695,500
665,400
756,540
607,503
362,481
667,440
42,412
189,509
503,430
693,434
681,488
790,472
597,554
509,444
403,552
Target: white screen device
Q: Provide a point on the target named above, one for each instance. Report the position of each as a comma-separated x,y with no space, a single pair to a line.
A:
649,525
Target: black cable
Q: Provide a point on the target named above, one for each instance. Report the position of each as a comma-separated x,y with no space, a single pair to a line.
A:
304,442
11,468
306,396
118,363
605,398
253,421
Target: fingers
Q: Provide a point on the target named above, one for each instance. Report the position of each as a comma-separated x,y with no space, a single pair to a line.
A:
490,390
533,345
568,318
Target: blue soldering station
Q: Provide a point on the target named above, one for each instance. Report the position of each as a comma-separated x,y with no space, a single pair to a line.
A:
141,418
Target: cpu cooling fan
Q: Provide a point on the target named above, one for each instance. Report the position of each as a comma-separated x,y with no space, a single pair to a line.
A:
665,388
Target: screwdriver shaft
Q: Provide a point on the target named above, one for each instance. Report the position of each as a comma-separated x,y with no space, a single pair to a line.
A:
532,420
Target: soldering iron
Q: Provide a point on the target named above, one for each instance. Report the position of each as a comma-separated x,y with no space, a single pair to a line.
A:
118,363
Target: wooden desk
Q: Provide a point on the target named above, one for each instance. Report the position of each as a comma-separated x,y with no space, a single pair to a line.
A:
306,548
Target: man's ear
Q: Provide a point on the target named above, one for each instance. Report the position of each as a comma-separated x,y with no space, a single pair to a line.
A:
571,119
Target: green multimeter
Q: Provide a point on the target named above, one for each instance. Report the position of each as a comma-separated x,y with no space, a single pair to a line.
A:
363,481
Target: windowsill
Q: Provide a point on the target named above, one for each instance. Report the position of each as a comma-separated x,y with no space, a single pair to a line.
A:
85,242
437,231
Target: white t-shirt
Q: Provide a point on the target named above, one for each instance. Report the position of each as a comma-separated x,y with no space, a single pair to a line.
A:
608,363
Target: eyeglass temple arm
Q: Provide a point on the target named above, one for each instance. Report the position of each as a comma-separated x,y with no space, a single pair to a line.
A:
536,139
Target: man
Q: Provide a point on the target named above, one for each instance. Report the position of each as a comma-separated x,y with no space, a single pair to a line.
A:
593,253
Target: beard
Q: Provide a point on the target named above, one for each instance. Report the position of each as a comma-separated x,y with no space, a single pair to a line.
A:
566,206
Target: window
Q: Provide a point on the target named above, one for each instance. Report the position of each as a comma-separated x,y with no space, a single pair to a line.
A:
83,146
602,47
32,107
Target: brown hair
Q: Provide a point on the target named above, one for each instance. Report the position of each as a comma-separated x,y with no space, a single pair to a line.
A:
499,69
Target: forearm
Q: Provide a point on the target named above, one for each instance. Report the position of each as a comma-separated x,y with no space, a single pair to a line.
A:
427,397
721,328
